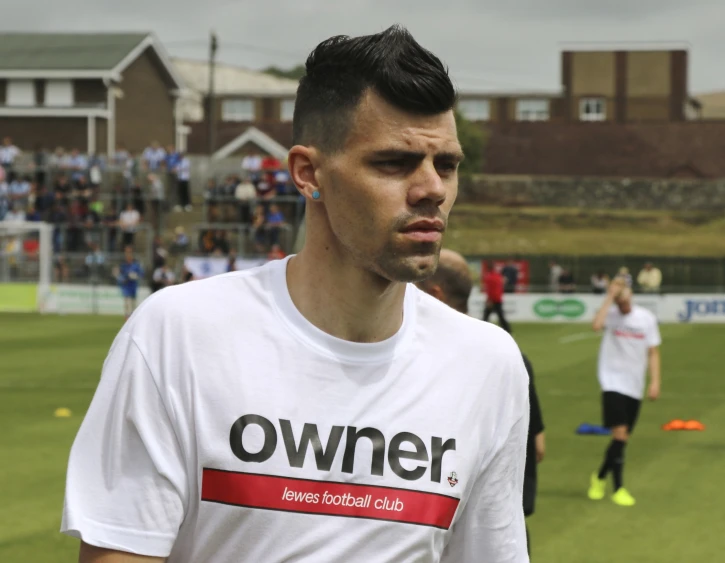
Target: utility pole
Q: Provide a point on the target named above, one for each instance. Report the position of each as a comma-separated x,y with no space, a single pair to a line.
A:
211,103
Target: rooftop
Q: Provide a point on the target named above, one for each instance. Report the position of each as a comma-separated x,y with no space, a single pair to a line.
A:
66,51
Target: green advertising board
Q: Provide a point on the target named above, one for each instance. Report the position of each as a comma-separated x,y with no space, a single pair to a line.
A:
566,308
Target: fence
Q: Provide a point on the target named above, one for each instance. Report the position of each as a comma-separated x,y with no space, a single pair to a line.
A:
679,275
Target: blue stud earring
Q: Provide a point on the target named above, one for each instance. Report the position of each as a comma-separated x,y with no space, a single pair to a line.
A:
315,195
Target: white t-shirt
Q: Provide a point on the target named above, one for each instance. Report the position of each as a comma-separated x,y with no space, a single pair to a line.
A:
252,163
228,428
8,154
129,220
623,352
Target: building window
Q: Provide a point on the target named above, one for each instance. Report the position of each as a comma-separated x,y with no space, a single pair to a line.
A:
287,110
238,110
593,109
475,110
59,93
21,93
532,110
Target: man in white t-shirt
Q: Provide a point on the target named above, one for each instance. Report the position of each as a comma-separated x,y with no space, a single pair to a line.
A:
320,407
631,341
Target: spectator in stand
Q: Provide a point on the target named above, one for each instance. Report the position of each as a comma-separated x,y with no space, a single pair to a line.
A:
493,283
110,222
20,190
600,283
171,163
4,195
44,201
128,221
82,191
92,220
154,157
58,160
566,282
62,189
40,164
95,262
281,182
61,272
510,275
157,196
16,214
163,277
650,279
183,176
259,228
252,163
8,153
33,215
555,271
245,195
181,241
96,166
78,165
211,196
137,198
58,217
221,243
276,253
275,223
265,188
159,252
75,226
624,274
232,260
125,163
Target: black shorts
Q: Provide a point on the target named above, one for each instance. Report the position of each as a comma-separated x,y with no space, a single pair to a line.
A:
619,410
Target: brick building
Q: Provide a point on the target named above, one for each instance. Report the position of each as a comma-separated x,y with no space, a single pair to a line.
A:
621,110
90,91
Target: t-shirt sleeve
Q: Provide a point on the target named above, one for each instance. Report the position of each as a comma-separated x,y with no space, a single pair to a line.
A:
653,334
491,527
126,486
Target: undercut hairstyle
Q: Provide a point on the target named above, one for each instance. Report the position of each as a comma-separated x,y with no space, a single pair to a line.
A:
342,69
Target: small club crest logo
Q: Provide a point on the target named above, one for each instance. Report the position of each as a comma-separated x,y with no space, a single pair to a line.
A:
453,479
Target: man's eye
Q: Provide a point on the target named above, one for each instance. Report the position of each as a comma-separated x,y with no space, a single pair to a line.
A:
391,163
447,167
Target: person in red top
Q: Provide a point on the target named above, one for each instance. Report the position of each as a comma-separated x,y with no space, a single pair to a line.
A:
494,283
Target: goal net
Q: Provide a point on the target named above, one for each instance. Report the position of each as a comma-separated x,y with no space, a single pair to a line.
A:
26,264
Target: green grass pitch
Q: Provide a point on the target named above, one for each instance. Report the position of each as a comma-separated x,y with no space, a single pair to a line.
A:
50,362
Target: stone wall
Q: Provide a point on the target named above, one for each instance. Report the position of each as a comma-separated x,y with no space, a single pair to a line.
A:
596,193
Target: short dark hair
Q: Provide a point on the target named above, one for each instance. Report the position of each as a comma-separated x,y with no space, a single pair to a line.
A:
342,69
455,282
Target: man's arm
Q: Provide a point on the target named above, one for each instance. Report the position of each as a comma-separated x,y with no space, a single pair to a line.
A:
92,554
612,291
491,526
654,373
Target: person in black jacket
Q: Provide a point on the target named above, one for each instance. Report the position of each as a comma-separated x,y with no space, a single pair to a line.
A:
452,284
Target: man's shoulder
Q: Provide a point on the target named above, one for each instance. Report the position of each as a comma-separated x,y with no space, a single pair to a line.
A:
446,324
645,313
200,300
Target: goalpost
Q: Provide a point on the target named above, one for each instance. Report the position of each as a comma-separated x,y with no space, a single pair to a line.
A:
26,257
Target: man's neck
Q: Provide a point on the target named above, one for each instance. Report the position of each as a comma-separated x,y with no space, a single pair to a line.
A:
343,300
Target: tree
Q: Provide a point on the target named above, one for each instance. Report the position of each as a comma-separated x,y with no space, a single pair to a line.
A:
473,141
294,73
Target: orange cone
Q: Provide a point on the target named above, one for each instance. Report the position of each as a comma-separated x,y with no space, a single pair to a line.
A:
694,425
675,424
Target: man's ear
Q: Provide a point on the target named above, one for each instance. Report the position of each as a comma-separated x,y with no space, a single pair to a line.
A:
302,162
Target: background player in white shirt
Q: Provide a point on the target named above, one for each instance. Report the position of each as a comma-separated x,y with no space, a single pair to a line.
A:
319,408
631,341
